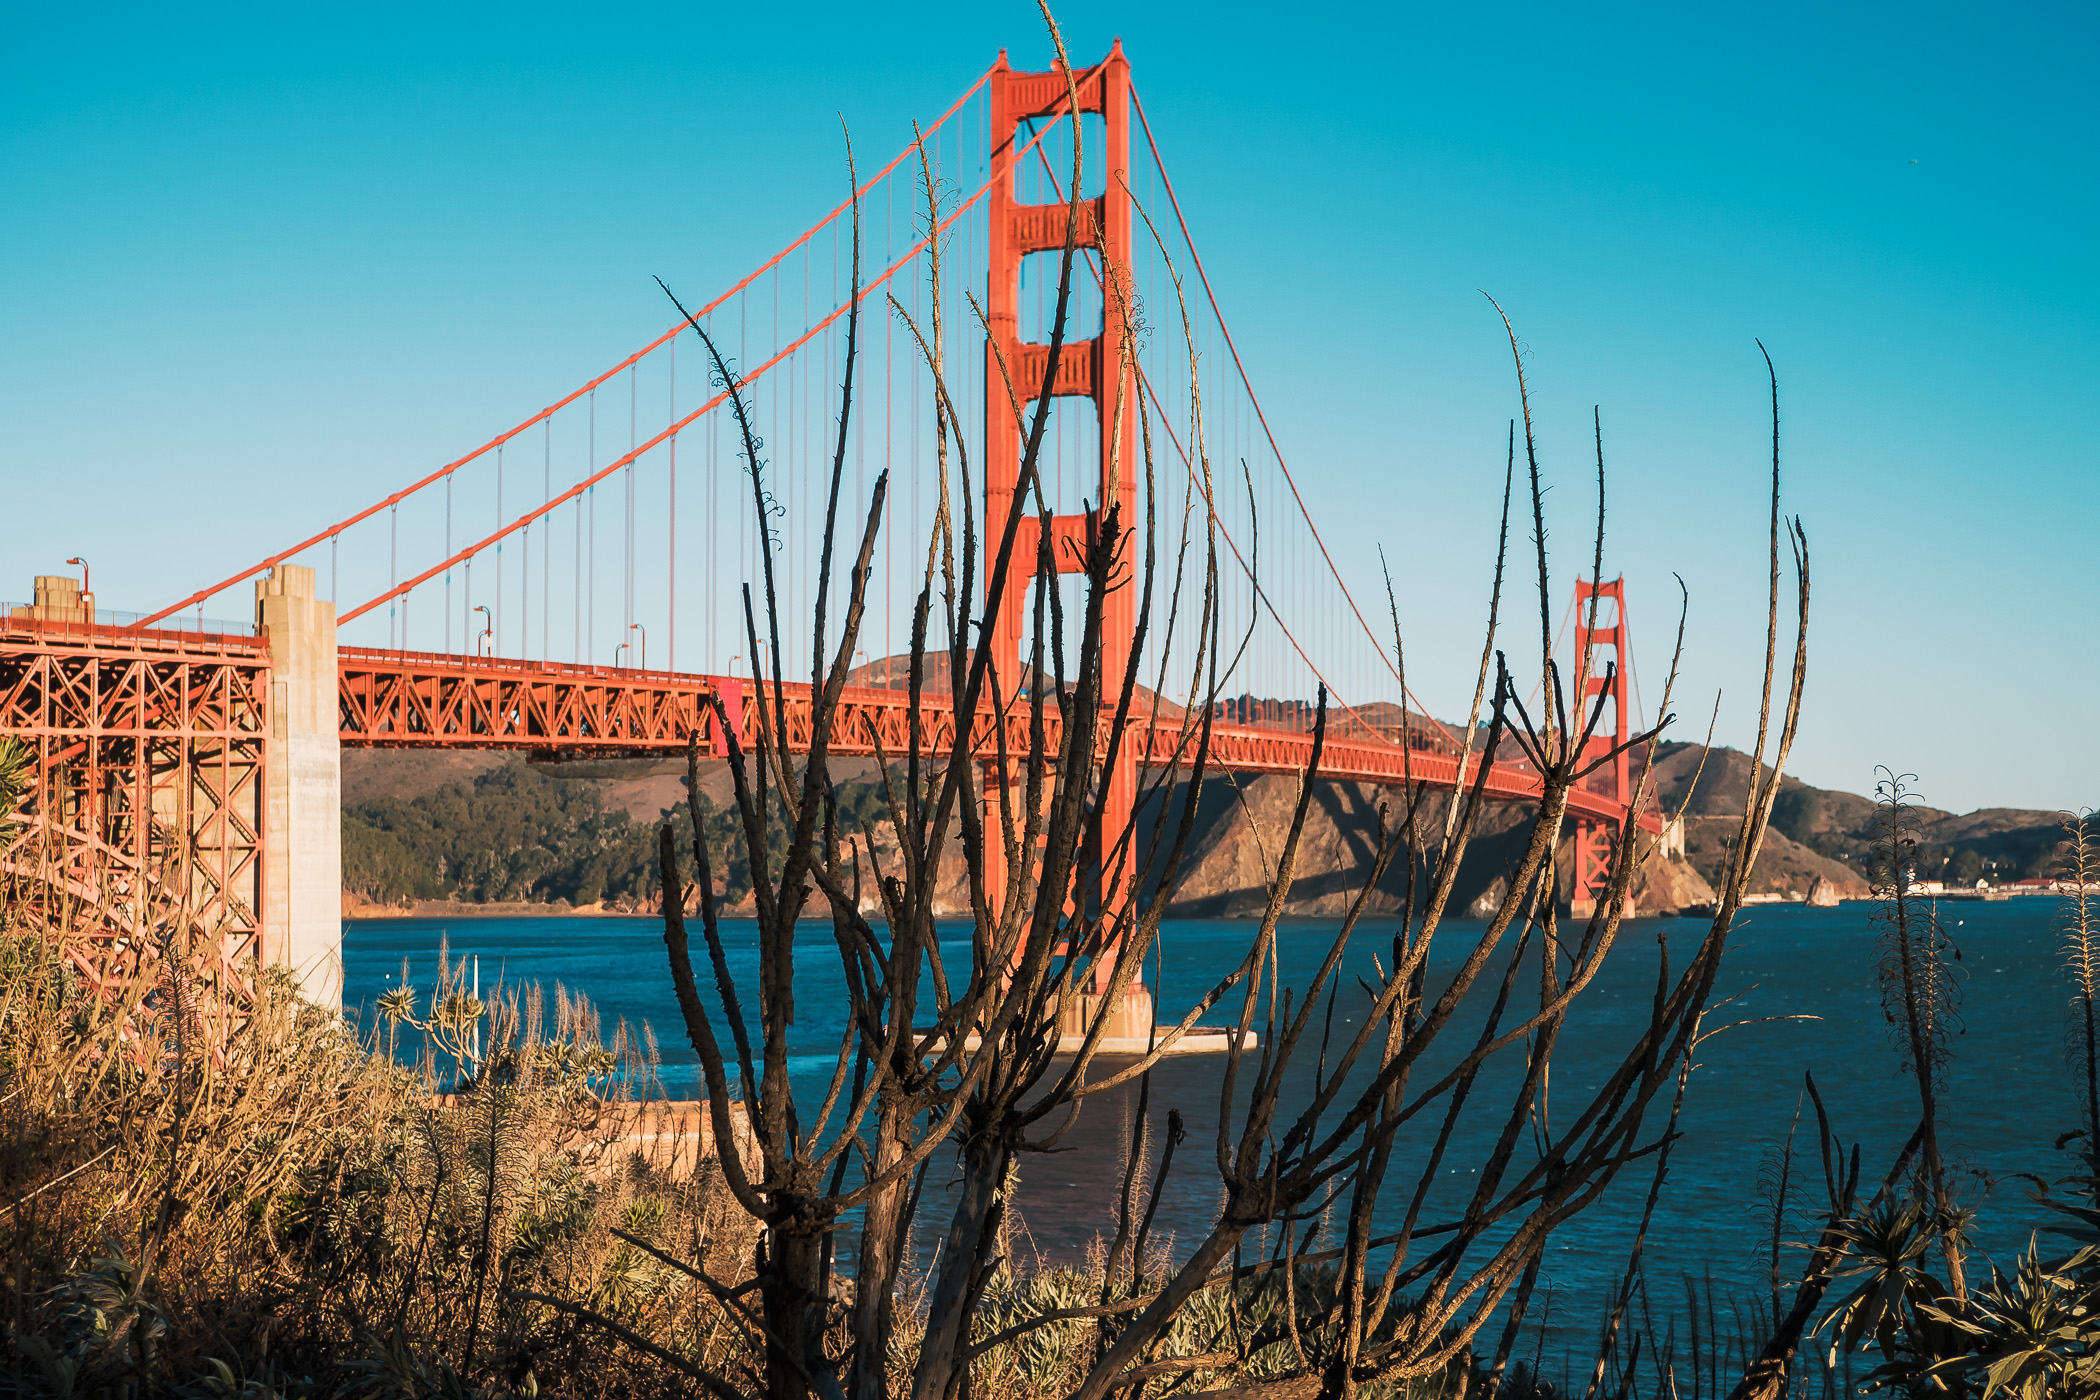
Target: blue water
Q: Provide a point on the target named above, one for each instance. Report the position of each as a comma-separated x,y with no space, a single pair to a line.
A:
2007,1099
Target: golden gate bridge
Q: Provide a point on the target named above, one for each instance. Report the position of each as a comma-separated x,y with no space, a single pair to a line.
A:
515,597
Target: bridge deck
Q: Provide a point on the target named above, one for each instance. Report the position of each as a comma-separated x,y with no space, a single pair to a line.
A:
396,699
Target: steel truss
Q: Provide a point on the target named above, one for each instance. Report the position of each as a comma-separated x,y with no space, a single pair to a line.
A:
141,833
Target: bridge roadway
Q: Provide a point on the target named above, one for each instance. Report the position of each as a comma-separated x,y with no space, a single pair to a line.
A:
409,700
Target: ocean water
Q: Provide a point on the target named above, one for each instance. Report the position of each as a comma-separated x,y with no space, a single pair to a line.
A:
1797,995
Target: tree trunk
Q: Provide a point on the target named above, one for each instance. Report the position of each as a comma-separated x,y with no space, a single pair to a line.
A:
794,1309
875,1278
944,1353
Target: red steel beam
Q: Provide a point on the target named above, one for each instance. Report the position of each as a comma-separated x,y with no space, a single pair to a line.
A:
394,699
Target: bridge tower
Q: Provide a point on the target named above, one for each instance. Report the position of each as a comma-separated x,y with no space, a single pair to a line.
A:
1095,368
1596,648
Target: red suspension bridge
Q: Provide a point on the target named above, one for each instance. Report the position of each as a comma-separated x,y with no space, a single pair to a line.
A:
190,766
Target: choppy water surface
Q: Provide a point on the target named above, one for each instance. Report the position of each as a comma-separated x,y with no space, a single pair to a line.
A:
2008,1095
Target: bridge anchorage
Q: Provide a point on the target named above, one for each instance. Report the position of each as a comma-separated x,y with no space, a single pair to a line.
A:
190,772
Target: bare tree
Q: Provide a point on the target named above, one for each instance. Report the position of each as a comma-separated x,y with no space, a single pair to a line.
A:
924,1061
1002,1063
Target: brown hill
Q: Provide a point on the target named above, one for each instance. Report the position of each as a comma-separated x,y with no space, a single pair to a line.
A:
1817,835
1828,833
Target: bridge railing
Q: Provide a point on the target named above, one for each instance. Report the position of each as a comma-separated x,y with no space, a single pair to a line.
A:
76,624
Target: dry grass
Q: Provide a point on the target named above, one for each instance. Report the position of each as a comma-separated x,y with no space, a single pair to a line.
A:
296,1213
288,1211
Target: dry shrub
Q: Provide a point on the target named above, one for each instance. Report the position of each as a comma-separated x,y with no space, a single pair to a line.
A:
286,1210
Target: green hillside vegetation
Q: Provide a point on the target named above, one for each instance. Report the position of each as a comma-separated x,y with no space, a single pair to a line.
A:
520,834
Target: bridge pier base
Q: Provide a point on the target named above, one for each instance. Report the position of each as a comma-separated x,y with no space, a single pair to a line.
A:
302,875
1129,1024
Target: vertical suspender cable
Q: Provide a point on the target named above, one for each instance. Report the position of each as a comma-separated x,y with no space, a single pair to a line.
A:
525,594
590,568
798,457
547,548
860,447
710,553
774,405
889,342
496,642
743,537
393,570
576,562
448,555
671,543
916,517
627,476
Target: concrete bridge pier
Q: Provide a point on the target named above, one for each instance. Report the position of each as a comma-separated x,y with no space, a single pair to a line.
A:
302,874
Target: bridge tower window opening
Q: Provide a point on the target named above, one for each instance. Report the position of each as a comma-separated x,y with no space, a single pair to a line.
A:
1070,590
1084,311
1038,180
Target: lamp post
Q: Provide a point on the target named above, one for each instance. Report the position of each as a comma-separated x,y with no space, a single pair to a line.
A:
87,592
616,653
482,643
637,627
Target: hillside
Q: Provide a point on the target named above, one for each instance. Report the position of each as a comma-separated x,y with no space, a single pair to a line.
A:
488,829
1822,832
485,828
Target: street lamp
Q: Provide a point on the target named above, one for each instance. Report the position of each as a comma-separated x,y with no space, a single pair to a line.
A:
87,593
482,644
637,627
616,653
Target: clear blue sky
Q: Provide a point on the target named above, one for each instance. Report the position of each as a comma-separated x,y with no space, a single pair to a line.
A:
259,267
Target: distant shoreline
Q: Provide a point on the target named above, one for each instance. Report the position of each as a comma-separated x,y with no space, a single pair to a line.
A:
457,909
358,909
